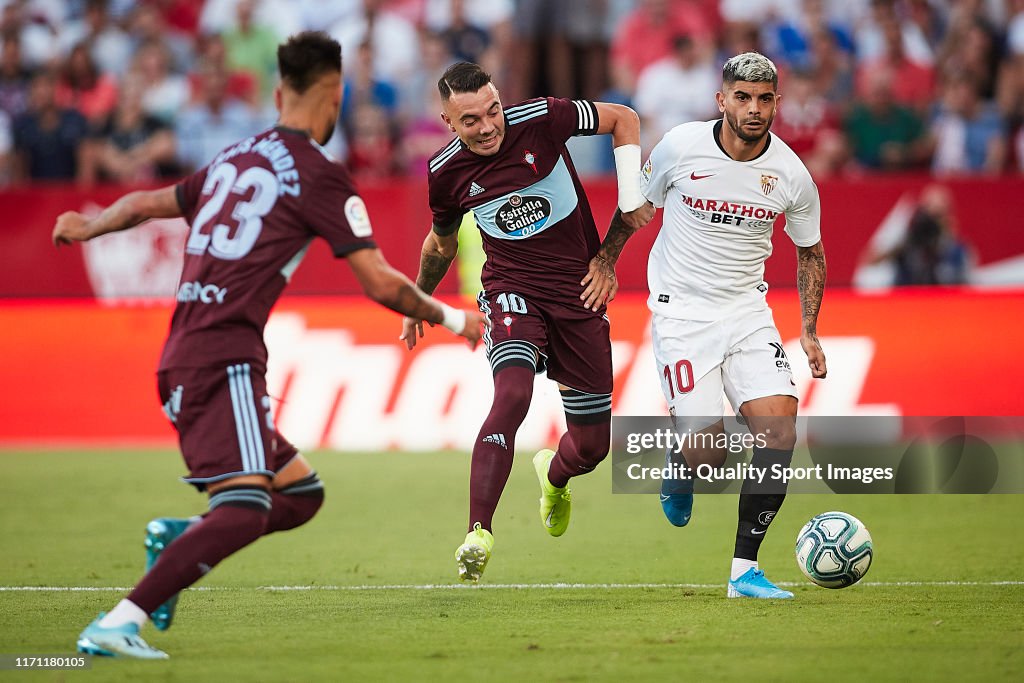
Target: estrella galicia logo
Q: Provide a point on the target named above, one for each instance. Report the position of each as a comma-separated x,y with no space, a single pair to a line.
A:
522,216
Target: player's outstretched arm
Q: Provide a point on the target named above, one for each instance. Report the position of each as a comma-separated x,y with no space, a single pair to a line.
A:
392,289
127,212
623,124
439,250
810,280
600,284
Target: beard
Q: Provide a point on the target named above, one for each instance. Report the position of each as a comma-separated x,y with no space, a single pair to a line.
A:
745,136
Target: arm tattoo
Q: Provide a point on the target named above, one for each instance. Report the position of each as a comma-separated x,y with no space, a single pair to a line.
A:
615,240
433,267
810,282
412,302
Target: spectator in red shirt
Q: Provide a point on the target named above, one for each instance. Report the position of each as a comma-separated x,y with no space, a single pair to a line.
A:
213,55
423,136
181,16
372,152
809,125
84,88
913,83
646,36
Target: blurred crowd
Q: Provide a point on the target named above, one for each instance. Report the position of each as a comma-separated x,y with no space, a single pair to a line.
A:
136,90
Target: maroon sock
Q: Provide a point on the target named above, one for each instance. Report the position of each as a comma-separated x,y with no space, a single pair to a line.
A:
492,454
290,511
580,449
223,531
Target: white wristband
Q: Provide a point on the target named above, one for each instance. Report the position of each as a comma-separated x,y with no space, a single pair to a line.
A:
453,318
627,170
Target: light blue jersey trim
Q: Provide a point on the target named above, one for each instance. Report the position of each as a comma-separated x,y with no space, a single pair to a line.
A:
531,210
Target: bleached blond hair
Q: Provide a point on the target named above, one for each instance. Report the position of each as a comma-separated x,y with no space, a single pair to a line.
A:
750,67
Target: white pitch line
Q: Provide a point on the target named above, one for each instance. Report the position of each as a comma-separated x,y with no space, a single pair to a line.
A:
492,586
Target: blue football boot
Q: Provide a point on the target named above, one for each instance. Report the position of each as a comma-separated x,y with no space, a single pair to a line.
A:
677,500
159,534
122,641
754,584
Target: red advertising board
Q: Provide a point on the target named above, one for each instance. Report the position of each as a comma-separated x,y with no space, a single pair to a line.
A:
78,372
145,262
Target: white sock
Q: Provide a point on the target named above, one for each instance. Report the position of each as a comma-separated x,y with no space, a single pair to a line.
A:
126,612
740,567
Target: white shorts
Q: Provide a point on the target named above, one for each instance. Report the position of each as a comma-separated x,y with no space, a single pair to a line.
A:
741,354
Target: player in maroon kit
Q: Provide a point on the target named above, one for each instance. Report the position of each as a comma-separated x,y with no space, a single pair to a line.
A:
546,279
253,212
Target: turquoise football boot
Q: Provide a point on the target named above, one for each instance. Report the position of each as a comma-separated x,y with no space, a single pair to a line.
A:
754,584
159,534
121,641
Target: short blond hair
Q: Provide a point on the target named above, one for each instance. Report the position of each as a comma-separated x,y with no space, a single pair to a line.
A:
750,67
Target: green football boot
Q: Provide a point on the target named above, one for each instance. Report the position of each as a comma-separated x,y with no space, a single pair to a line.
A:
555,503
472,556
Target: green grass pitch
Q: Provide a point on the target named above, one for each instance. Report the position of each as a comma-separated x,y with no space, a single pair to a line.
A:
76,519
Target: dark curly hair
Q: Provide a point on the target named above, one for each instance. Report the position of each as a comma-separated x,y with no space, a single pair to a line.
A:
307,56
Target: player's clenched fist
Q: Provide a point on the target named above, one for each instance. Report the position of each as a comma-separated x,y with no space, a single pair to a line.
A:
71,227
815,356
638,218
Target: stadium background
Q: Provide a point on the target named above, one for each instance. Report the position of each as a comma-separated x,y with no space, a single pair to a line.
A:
908,113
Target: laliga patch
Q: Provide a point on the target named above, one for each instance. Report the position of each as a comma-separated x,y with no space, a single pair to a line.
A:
647,170
358,218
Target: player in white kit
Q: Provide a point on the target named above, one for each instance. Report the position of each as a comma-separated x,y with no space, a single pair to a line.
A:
723,184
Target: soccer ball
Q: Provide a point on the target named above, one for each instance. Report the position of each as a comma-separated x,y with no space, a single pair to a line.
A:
834,550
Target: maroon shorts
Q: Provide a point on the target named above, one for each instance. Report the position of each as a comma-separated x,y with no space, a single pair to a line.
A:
224,422
571,343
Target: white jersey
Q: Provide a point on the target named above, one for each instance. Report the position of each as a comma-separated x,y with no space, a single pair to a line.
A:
708,260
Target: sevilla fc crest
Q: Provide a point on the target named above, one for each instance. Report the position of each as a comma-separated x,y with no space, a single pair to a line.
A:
768,182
